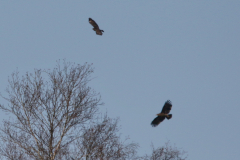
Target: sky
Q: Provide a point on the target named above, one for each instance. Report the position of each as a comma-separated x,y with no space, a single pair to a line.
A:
186,51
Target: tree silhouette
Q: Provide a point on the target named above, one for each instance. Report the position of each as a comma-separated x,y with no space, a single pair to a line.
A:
166,152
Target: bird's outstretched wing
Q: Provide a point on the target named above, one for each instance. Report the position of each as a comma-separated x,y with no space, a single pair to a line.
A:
167,107
157,120
93,23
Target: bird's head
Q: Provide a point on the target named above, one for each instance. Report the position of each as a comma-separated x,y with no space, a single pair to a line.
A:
160,114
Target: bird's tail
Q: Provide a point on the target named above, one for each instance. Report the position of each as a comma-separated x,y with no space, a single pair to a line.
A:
169,116
102,30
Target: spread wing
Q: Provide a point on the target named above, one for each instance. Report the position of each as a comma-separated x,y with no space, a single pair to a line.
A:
93,23
157,120
167,107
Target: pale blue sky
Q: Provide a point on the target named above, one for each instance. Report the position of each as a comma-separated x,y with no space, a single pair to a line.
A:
187,51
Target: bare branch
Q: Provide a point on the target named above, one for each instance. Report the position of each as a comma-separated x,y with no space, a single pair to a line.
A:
47,112
166,152
101,142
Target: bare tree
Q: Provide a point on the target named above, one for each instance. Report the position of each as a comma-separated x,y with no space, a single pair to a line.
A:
11,152
100,141
166,152
49,114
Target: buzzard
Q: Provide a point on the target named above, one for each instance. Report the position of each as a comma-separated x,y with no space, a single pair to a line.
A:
164,114
95,26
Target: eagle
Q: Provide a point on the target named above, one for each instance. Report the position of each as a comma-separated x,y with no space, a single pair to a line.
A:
95,26
164,114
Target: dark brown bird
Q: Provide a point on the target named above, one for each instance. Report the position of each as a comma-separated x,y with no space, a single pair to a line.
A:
164,114
96,28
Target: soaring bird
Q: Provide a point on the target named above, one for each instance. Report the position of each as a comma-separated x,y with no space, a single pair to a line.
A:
164,114
96,28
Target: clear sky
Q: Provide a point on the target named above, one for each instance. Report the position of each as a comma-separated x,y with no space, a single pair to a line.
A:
187,51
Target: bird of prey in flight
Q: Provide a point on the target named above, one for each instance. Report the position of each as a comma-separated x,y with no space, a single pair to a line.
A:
164,114
95,26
